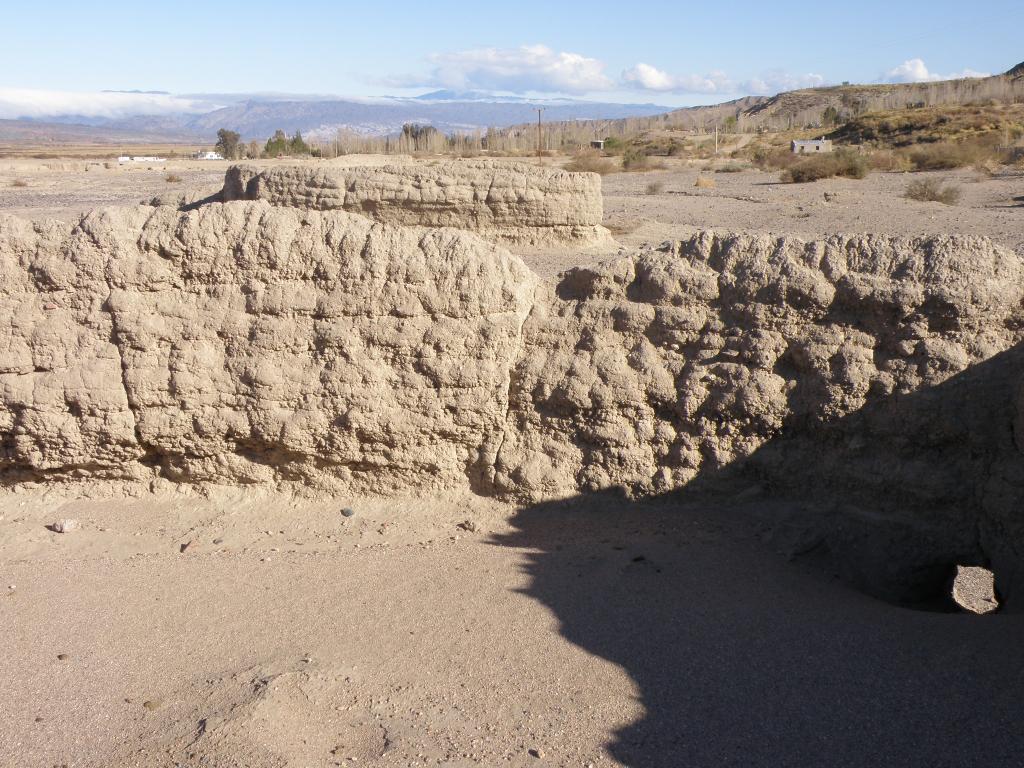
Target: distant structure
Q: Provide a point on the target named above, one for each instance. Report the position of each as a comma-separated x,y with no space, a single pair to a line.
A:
141,159
811,146
597,144
209,156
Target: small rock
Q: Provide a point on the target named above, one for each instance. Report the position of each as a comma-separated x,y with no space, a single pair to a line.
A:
218,541
536,752
62,657
65,526
831,197
151,704
186,545
468,525
347,512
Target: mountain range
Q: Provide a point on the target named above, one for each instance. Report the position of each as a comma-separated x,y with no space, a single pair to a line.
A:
257,116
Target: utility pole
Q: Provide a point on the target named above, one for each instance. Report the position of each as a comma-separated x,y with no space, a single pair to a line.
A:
716,138
540,152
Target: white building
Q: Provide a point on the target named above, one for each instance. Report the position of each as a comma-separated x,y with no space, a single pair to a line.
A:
811,146
209,156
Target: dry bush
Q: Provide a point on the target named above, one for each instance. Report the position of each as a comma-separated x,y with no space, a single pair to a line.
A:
987,168
173,178
655,188
19,183
932,191
591,162
947,155
772,158
887,160
704,182
731,168
636,160
840,163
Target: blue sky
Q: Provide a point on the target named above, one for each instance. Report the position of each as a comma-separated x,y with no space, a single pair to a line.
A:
672,53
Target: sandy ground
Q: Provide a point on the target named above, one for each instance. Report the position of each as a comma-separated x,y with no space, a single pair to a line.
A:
461,632
267,630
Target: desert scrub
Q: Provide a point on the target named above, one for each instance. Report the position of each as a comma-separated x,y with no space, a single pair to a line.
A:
840,163
173,178
704,182
637,160
731,168
19,183
591,162
932,191
655,187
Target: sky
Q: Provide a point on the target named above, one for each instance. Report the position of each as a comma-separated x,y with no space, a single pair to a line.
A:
57,55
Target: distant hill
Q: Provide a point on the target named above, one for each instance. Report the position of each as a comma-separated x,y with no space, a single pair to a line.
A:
258,118
38,132
818,107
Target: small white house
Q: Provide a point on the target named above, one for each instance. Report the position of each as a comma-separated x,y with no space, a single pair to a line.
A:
811,146
209,156
597,144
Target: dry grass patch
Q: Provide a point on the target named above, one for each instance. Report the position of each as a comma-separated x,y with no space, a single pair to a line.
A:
704,182
932,191
173,178
19,183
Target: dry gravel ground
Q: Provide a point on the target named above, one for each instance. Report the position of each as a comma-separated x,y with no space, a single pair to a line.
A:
747,201
254,630
755,201
67,188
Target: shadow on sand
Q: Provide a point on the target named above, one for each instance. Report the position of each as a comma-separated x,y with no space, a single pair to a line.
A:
745,645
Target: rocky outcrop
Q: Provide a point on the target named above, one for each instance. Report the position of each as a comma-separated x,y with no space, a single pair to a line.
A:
874,380
878,378
513,203
647,371
244,343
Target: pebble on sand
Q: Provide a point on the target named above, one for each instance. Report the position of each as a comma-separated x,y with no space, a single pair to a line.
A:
347,512
65,526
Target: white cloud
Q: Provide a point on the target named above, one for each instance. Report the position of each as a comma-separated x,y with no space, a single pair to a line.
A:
646,77
649,78
915,71
526,68
26,102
